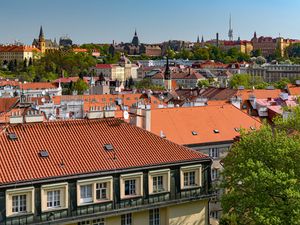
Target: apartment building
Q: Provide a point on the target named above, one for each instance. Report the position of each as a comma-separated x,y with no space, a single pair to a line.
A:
99,172
210,129
18,53
111,71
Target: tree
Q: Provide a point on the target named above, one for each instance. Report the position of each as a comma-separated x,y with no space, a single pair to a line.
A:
203,83
293,50
80,86
256,53
260,60
239,80
261,176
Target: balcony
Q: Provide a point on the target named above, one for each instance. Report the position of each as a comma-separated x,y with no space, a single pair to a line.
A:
111,208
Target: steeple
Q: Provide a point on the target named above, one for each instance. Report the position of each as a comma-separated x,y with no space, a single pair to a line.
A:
202,39
255,34
230,32
167,70
198,40
41,36
135,40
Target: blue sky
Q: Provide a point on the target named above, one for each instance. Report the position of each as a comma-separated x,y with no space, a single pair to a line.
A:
97,21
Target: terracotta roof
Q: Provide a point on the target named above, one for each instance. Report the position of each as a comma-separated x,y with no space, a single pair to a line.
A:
293,89
7,103
218,93
103,66
80,50
180,75
37,85
79,145
17,48
178,123
259,93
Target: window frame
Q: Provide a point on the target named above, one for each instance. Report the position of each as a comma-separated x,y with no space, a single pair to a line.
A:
154,216
165,174
197,169
63,196
138,177
10,193
94,182
126,219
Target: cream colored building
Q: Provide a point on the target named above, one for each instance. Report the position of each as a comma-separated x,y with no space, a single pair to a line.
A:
110,71
18,52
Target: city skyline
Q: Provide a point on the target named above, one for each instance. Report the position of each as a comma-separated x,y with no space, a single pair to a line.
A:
155,22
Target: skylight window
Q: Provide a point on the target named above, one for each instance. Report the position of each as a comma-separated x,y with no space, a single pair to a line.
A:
12,136
108,147
237,129
44,153
252,128
194,133
216,131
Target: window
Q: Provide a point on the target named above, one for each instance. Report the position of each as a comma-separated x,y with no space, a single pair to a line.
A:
130,187
86,193
53,199
190,176
158,184
214,214
126,219
154,217
189,179
101,191
214,174
100,221
19,204
214,152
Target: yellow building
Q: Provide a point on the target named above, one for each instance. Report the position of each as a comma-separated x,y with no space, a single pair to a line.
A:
99,172
18,53
45,45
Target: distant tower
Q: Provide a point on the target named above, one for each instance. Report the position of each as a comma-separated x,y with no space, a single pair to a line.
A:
230,32
135,39
198,40
42,42
168,76
202,41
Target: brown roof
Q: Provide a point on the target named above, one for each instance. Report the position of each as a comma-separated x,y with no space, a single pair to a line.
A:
258,93
293,89
17,48
37,85
7,103
178,123
180,75
79,145
218,93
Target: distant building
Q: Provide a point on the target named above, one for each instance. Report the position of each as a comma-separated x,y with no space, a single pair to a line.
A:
18,53
65,42
242,46
110,71
136,48
45,45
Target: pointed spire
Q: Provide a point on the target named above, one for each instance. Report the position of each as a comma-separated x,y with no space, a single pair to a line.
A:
135,33
255,34
202,39
230,32
198,40
167,70
41,36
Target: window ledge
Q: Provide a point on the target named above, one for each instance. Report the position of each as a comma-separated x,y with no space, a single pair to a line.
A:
54,209
131,196
190,187
160,192
20,214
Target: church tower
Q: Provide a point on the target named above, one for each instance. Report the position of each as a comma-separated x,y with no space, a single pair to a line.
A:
135,39
42,42
167,76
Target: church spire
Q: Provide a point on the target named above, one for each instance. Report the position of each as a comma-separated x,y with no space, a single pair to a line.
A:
167,70
41,36
198,39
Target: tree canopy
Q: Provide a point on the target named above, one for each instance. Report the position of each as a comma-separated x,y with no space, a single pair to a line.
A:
261,176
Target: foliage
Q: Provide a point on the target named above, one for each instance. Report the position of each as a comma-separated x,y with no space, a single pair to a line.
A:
247,81
147,84
256,53
80,86
203,83
261,176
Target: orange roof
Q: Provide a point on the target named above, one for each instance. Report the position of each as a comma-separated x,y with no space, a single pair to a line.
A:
17,48
80,50
178,123
293,89
79,146
37,85
259,93
7,103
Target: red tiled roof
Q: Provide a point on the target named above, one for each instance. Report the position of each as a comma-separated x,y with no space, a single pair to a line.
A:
259,93
80,50
79,144
178,123
103,66
17,48
7,103
218,93
37,85
293,89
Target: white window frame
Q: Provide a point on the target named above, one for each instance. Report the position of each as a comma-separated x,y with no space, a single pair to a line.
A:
63,196
19,200
126,219
158,183
131,187
93,182
86,197
185,176
214,153
138,177
214,174
100,187
28,192
53,199
164,186
154,216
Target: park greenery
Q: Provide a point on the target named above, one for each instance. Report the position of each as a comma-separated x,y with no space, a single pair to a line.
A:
147,84
261,175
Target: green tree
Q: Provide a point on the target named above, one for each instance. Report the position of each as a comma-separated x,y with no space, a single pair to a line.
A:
80,86
240,80
261,176
203,83
201,53
256,53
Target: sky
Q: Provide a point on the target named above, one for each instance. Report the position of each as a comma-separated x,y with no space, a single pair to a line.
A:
102,21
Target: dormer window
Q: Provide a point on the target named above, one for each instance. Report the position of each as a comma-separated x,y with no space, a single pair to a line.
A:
190,176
